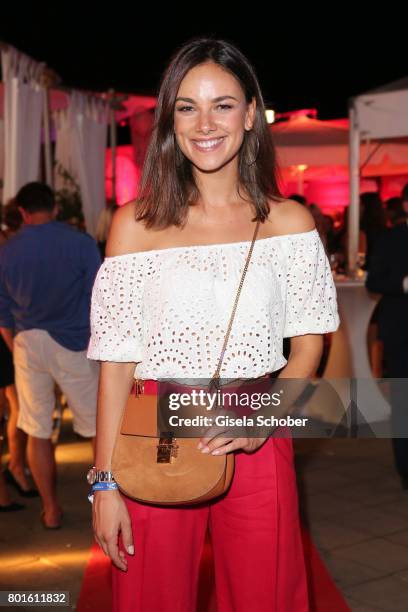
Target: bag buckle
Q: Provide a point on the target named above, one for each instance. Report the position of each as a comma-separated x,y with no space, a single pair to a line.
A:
138,386
167,448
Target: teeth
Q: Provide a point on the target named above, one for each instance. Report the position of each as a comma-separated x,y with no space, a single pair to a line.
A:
208,144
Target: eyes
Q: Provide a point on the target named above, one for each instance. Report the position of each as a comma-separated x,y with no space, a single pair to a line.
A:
187,109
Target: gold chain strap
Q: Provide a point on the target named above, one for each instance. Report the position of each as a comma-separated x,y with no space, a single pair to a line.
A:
214,382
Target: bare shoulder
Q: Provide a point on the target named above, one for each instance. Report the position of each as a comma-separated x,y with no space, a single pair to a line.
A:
126,235
289,217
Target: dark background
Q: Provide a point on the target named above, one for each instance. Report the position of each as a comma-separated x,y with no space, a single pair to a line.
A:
305,58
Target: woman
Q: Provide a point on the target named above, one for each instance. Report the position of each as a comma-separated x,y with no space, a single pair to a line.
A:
162,300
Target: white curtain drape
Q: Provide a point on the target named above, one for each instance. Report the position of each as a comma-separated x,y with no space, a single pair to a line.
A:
81,149
64,158
23,104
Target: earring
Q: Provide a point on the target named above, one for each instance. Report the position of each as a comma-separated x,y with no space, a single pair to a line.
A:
255,156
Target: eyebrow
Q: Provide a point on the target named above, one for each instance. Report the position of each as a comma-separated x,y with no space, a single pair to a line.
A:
219,99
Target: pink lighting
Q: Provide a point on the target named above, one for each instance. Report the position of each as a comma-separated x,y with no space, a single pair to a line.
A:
127,174
313,158
298,114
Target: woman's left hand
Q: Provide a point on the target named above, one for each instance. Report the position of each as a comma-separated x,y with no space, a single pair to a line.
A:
222,445
222,438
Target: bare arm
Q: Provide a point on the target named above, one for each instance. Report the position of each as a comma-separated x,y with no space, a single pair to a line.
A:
116,378
109,511
304,358
303,361
115,383
110,514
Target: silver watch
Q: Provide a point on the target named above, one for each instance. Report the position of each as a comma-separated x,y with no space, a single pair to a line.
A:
95,475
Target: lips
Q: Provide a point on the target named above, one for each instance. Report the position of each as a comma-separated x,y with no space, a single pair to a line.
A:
208,145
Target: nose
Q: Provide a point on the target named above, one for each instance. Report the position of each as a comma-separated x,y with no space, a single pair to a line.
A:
205,122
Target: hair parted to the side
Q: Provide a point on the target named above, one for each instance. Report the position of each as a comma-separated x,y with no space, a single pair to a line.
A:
167,185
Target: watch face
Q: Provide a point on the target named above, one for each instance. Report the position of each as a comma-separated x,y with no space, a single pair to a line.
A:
91,476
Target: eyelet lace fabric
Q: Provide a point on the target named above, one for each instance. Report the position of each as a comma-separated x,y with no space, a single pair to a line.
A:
168,310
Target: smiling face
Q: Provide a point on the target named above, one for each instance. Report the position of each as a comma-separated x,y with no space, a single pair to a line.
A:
211,115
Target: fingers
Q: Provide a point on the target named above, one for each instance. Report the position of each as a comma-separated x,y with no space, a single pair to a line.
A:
127,537
108,541
222,445
110,549
220,433
113,551
109,545
217,437
208,442
212,437
225,447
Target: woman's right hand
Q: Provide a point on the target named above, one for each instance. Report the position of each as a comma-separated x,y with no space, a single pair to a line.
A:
109,516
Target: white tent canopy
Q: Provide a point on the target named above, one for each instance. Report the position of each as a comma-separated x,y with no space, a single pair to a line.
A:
303,140
382,113
324,143
378,114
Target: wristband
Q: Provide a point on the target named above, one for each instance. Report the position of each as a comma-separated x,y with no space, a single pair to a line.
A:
104,486
101,486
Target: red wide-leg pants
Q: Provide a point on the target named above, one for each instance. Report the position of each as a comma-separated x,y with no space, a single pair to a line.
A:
255,533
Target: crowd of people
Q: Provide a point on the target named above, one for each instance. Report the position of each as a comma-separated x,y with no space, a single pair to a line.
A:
376,216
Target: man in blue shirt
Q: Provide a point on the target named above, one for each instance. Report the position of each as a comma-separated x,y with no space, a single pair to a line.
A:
47,271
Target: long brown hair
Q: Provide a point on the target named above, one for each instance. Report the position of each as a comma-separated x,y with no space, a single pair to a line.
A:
167,185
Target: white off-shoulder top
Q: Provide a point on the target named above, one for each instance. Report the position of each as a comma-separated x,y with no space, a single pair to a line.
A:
168,309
